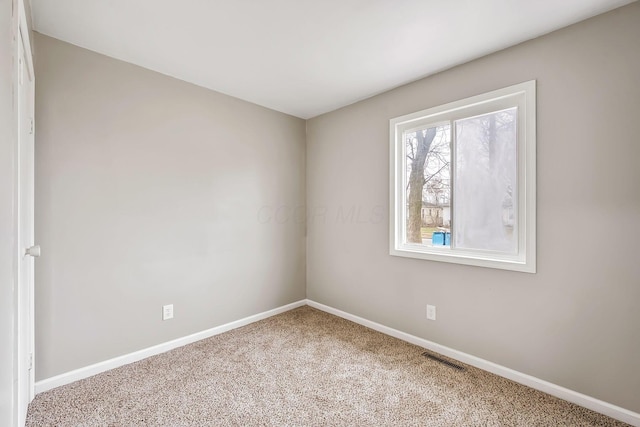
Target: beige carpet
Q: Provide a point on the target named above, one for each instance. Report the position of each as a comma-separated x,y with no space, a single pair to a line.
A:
301,368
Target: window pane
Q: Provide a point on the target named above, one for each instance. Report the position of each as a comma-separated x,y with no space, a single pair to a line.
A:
485,182
427,188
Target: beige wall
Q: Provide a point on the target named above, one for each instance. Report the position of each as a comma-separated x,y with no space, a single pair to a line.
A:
150,191
7,223
576,322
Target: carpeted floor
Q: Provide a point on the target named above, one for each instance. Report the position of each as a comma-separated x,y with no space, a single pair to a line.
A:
303,368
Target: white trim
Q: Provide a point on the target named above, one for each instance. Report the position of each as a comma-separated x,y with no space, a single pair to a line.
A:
588,402
25,35
87,371
522,96
23,104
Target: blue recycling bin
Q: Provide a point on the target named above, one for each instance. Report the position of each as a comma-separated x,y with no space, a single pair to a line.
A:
441,238
437,238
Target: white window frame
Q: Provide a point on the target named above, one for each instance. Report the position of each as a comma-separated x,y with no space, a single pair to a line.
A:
522,96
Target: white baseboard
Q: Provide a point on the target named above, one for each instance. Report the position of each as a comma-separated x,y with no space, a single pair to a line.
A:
588,402
583,400
87,371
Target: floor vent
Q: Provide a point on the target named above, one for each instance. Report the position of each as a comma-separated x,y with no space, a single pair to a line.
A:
443,361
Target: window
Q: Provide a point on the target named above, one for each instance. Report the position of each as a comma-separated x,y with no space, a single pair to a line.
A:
463,181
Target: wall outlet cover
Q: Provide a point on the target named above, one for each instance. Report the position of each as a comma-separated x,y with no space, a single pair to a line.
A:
431,312
167,312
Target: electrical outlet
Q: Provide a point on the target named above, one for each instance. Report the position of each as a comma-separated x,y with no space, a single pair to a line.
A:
167,312
431,312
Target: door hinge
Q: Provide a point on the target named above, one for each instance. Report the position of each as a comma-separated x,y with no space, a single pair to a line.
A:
30,361
31,127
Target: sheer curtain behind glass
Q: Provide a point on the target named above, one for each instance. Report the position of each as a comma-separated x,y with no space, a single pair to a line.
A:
485,199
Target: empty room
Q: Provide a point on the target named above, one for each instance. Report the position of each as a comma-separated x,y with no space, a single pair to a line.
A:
310,213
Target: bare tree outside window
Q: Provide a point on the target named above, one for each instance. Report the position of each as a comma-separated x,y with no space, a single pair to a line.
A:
428,159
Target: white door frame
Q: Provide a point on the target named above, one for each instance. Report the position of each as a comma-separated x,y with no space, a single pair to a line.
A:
24,292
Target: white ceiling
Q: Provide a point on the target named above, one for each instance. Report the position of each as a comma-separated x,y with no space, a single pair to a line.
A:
304,57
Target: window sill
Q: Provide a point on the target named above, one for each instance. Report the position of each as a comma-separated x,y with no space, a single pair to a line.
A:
479,259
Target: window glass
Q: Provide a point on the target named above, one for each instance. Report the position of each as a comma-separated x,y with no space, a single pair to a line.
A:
428,180
485,182
463,181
